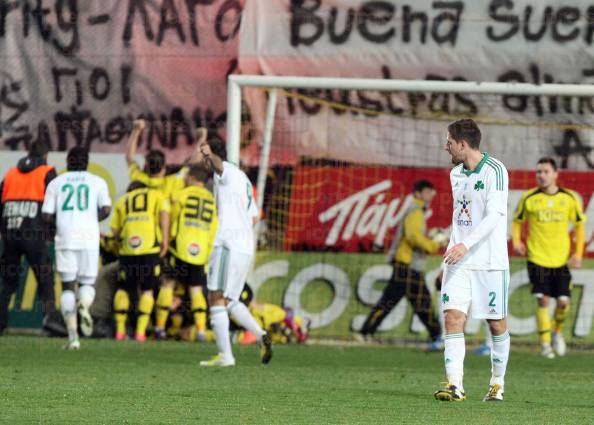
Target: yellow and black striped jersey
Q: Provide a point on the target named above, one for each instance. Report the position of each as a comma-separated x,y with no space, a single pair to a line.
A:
548,218
167,184
193,224
136,220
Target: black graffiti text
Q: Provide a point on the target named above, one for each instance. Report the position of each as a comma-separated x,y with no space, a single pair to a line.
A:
72,86
376,22
561,24
63,33
170,22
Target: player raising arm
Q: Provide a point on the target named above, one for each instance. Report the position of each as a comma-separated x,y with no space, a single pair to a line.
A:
232,255
154,174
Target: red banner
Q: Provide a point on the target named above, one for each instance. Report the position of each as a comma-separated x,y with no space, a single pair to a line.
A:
353,209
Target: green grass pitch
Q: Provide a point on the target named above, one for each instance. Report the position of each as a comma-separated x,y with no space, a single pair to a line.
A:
159,383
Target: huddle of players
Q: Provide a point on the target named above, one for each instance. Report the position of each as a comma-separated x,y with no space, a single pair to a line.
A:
166,226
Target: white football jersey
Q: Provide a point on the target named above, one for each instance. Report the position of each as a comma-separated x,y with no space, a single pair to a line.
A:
75,198
236,208
477,193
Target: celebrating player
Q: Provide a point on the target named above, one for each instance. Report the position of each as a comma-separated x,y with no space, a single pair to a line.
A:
193,228
476,273
408,254
154,175
232,255
141,223
549,209
77,201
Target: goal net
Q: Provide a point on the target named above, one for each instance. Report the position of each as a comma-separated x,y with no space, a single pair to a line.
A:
335,161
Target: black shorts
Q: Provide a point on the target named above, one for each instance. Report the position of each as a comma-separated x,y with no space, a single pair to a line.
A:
185,273
140,271
553,282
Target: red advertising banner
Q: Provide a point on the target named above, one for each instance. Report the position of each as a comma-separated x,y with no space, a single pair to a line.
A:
354,209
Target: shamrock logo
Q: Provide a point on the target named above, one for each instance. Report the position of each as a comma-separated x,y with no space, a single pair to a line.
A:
445,298
479,185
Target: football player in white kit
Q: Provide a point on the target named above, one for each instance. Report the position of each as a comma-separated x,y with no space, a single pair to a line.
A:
77,201
232,254
476,274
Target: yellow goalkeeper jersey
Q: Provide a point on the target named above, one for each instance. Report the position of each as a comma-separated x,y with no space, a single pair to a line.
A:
137,218
167,184
548,218
193,224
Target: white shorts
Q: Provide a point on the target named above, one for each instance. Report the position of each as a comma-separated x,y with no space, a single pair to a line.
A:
228,271
482,293
80,265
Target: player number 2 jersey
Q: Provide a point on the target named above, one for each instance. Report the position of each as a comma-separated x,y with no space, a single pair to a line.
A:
476,194
236,209
75,197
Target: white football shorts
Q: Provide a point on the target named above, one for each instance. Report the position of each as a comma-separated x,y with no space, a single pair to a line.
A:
81,265
228,271
482,293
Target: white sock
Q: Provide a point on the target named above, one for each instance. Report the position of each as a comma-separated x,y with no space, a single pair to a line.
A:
68,307
86,295
219,320
454,352
499,357
240,313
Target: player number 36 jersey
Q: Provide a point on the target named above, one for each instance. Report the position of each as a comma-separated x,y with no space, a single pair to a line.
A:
476,194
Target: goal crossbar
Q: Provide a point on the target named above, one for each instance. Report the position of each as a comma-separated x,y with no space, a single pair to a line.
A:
236,82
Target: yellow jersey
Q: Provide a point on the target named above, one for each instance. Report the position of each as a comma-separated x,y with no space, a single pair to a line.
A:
410,244
193,224
167,184
137,218
548,217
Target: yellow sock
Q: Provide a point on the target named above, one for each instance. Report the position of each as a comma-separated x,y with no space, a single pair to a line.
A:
561,314
121,305
544,325
145,308
164,302
176,323
199,307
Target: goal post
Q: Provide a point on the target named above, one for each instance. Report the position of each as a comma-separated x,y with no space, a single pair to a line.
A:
343,154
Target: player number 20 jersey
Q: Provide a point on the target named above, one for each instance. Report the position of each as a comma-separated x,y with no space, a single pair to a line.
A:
75,197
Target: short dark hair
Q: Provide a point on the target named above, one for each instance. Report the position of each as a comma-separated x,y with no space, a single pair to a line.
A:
198,172
548,160
218,147
135,184
77,159
419,185
466,129
154,162
38,148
